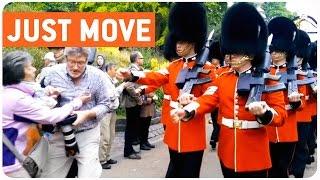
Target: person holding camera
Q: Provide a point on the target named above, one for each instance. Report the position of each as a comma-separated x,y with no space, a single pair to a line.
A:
76,77
21,109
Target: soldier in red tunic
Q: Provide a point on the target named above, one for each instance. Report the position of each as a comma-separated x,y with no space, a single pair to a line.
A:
186,140
243,140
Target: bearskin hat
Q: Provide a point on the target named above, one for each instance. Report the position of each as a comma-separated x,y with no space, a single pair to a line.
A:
313,56
302,43
215,51
187,22
283,32
244,31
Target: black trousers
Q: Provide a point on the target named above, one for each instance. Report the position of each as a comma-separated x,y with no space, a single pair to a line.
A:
144,129
132,129
301,153
73,171
184,165
312,140
229,173
216,127
281,157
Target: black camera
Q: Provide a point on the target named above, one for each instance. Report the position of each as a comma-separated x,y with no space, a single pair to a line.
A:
70,141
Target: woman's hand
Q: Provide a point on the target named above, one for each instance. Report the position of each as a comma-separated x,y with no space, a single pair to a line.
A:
53,92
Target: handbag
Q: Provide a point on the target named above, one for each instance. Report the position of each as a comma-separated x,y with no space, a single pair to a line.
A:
35,162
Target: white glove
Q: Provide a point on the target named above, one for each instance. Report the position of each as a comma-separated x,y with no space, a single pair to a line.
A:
185,99
177,115
258,108
295,97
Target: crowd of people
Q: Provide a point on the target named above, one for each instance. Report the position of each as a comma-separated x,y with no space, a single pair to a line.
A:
268,132
71,86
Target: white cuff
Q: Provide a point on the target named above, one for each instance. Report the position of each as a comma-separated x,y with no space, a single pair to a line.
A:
139,74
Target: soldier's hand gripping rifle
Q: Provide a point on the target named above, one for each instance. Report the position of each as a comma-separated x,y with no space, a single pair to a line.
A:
187,78
256,81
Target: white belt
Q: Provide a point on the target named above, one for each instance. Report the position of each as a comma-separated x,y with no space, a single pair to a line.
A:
241,124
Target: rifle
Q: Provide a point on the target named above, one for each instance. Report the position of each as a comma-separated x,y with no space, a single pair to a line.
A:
254,82
290,77
309,78
187,78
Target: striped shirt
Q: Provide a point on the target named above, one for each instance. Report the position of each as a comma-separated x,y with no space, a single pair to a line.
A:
93,81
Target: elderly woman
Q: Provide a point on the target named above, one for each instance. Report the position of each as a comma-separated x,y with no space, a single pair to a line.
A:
20,109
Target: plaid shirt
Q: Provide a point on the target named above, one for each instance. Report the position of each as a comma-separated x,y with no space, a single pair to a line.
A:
93,81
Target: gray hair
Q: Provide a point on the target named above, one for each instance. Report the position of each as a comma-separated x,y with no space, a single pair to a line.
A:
133,56
76,51
110,66
13,66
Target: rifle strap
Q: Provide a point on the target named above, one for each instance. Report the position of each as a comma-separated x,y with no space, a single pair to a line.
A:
13,149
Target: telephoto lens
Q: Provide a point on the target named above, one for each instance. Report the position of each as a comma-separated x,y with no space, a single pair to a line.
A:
70,141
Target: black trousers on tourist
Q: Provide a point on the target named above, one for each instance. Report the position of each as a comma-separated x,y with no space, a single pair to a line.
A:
144,129
281,157
132,129
184,165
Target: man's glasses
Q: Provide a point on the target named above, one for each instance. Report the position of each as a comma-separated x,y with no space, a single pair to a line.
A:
79,63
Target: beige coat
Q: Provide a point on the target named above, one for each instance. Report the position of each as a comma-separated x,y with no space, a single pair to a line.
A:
129,97
148,108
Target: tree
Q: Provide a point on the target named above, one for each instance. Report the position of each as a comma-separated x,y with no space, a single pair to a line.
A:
41,6
215,13
160,9
274,9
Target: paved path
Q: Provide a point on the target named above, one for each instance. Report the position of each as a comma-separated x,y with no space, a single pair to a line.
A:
154,163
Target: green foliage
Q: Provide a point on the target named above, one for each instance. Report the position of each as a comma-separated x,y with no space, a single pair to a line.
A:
121,113
274,9
160,9
113,54
36,53
159,93
18,7
41,6
215,13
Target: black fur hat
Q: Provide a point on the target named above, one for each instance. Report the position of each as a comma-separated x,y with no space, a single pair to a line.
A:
302,43
244,31
313,56
187,22
283,32
170,48
215,51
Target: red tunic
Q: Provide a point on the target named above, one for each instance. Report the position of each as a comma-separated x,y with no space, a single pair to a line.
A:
288,132
242,150
191,136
